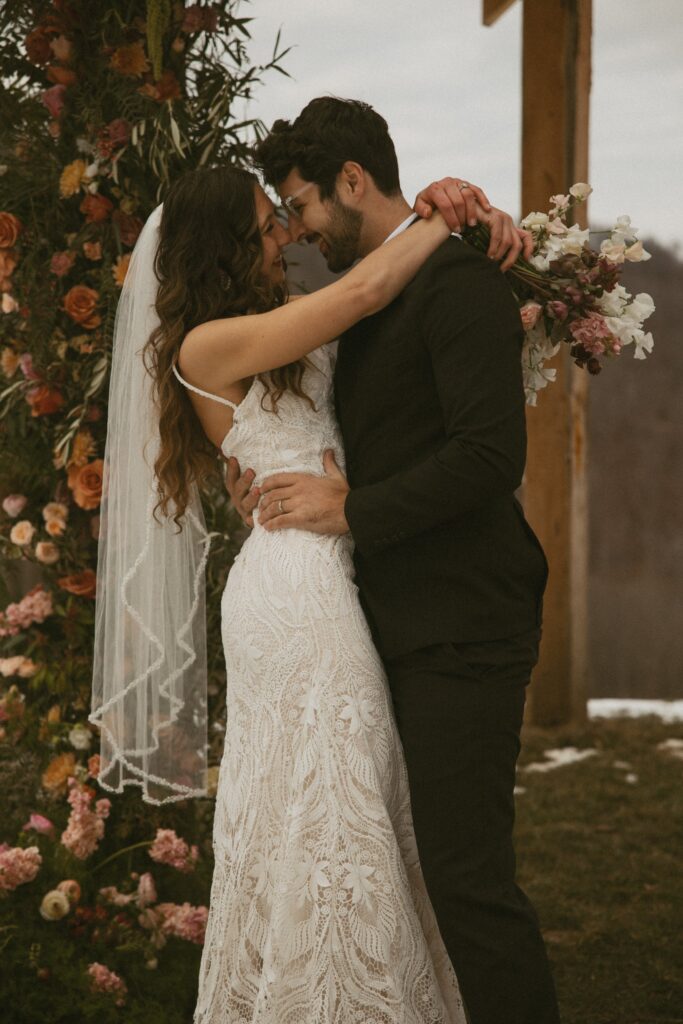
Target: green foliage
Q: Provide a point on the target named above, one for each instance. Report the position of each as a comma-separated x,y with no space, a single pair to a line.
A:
103,105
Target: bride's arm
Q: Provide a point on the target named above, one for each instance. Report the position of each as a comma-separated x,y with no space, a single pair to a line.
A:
225,351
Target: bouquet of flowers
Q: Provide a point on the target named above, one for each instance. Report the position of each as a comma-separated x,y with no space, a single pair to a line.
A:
569,292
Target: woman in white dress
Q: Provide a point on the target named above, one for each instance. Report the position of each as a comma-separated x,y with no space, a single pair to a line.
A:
318,911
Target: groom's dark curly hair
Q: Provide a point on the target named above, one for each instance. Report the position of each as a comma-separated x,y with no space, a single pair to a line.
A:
328,132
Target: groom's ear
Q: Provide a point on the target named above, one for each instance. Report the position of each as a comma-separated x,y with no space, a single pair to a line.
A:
352,182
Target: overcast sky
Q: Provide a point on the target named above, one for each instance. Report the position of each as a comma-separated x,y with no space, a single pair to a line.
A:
451,91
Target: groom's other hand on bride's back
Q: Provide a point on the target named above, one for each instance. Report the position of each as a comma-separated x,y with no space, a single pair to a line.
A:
464,205
244,497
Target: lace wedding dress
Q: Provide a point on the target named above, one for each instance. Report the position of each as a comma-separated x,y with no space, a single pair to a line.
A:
318,910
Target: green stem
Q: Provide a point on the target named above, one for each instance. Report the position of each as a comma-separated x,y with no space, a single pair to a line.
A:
119,853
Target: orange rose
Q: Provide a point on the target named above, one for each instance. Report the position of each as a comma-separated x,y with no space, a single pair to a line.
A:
96,208
120,269
61,76
93,250
44,400
82,584
80,303
55,527
10,229
8,262
57,773
130,60
86,483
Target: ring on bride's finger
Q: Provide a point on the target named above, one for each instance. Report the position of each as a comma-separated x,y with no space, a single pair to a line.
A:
462,185
280,506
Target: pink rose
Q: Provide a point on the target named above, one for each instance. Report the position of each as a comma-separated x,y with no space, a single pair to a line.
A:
26,365
62,262
558,310
54,99
14,504
530,313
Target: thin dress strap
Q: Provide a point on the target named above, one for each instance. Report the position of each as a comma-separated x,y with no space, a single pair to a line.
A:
216,398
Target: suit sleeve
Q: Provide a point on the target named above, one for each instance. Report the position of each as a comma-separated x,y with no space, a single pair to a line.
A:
473,333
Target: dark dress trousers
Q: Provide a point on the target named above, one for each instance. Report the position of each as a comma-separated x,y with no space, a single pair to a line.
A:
430,401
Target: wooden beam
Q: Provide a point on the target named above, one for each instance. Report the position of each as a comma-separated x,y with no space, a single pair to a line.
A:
493,9
556,91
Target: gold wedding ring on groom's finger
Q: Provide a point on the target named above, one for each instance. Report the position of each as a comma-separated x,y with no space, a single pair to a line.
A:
462,185
280,507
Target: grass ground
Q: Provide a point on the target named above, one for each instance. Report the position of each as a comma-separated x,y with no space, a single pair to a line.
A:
600,852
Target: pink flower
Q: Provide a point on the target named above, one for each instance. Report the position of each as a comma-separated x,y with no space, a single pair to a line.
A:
54,99
62,262
530,313
104,980
147,892
18,866
85,827
39,824
593,333
34,607
168,848
71,889
183,920
14,504
112,895
26,364
558,310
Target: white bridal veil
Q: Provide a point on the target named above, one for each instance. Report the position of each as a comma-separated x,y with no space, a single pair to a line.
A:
149,674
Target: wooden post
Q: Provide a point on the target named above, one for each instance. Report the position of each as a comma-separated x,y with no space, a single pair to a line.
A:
556,90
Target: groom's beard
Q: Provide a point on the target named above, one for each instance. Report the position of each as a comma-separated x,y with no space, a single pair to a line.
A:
342,236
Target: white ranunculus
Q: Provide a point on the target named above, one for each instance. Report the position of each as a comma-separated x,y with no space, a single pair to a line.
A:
613,251
636,254
535,220
55,905
580,191
612,303
80,737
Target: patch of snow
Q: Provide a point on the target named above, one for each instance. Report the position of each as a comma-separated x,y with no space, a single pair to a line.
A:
672,746
559,758
613,707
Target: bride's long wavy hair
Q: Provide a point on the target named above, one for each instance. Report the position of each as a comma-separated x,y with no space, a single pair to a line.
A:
208,265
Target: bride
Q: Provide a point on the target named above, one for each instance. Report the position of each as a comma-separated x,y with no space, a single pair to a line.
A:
318,909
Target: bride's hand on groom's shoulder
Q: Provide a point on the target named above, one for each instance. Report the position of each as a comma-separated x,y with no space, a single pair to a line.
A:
463,204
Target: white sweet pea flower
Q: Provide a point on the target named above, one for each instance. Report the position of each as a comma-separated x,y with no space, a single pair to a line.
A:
557,227
581,191
535,220
560,202
574,241
644,343
636,254
640,308
613,303
540,261
613,251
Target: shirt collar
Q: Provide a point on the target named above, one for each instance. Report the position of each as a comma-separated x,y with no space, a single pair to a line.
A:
397,231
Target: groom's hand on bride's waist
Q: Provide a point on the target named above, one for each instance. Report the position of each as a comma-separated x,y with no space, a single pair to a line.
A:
302,501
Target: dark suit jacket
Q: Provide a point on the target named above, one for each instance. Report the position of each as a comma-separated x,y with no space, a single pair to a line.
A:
430,401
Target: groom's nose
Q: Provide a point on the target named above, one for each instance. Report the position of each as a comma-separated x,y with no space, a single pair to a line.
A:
296,228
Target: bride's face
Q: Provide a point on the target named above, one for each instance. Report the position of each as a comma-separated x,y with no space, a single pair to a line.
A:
274,238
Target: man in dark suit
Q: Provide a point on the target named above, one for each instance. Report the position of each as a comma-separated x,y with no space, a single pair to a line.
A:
430,401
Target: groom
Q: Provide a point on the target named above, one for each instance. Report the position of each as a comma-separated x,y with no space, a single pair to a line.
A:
430,401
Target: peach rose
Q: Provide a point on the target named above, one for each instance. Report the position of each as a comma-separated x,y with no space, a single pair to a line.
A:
120,269
55,527
72,178
55,510
130,60
94,766
9,303
10,229
38,46
57,773
22,533
44,400
82,584
80,303
86,483
61,47
93,250
47,552
96,208
9,360
62,262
